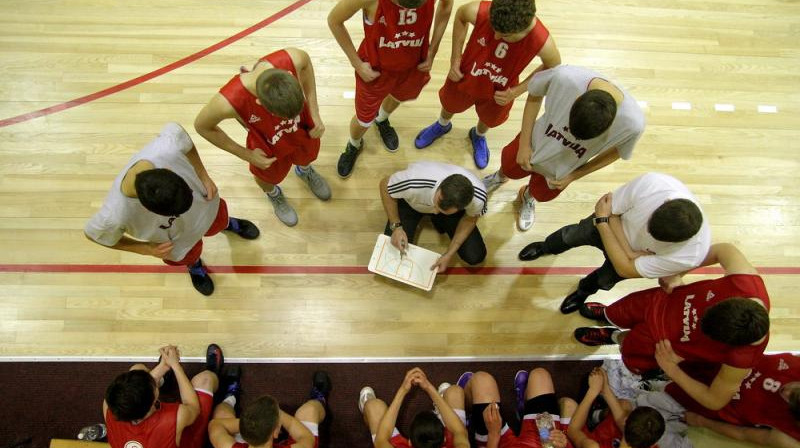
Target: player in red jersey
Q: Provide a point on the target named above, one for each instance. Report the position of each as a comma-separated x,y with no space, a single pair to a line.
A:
624,426
277,103
262,421
505,39
765,411
427,430
135,416
723,321
392,63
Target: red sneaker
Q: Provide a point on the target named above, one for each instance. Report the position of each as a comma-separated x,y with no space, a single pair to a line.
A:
593,336
594,311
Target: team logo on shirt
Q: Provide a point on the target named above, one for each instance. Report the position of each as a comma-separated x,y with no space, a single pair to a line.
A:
782,364
482,42
254,119
689,318
492,71
133,444
574,146
382,20
710,296
405,39
287,126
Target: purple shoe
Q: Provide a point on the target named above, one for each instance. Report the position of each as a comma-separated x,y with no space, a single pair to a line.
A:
464,379
430,134
520,385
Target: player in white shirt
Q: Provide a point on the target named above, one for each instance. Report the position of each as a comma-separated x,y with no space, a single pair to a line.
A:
651,227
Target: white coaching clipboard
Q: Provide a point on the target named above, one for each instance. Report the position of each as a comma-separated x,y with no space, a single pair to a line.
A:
414,268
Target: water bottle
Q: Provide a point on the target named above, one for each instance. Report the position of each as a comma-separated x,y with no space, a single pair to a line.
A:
93,432
544,422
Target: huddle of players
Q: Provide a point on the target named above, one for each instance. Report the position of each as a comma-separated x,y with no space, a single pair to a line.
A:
651,227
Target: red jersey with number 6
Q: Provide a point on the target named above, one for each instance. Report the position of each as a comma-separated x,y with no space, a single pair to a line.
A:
491,64
397,39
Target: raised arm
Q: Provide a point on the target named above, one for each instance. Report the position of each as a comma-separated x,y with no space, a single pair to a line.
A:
449,417
189,408
581,414
305,73
389,419
465,15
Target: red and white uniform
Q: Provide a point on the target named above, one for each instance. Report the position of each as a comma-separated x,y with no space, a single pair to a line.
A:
283,443
395,42
286,139
489,65
653,315
606,434
759,401
528,434
398,441
158,430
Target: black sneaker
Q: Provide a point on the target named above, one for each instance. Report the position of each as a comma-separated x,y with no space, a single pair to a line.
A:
243,228
347,160
573,301
214,359
232,378
388,135
320,387
200,279
595,311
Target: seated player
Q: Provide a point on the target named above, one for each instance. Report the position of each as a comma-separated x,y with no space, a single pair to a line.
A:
427,430
261,423
135,417
623,426
719,322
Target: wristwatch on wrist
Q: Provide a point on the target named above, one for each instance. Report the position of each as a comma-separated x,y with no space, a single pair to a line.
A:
600,219
395,225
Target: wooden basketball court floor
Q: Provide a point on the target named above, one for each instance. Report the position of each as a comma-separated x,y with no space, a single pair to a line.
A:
85,84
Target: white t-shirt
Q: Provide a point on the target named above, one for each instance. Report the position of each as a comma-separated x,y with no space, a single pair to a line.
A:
418,183
123,215
635,202
556,152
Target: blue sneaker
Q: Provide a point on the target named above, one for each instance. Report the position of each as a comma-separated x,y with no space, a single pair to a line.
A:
430,134
480,150
464,379
520,384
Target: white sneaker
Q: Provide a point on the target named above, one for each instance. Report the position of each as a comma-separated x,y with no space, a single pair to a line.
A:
283,210
366,394
527,213
442,387
492,182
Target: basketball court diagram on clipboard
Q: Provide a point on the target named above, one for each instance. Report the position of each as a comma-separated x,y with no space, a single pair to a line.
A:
413,268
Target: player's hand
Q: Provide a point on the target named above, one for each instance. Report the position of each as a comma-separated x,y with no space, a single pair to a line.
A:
455,74
258,158
366,73
411,379
317,130
162,352
603,206
173,356
160,250
400,240
503,97
524,156
562,183
427,64
558,438
666,357
491,417
443,262
596,381
211,188
693,419
670,282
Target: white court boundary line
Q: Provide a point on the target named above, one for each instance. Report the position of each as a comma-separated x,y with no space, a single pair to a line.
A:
335,360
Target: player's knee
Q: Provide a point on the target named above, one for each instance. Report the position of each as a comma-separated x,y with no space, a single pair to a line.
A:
474,255
454,396
374,407
206,380
539,375
139,367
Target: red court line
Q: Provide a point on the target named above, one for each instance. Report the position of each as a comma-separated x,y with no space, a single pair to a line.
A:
326,270
146,77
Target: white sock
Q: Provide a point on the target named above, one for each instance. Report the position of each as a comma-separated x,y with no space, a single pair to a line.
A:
355,143
382,115
275,192
302,169
443,121
615,336
479,133
230,400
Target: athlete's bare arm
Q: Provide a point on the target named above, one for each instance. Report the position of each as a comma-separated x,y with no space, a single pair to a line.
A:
550,58
340,13
440,19
297,431
730,258
465,15
759,436
222,431
305,73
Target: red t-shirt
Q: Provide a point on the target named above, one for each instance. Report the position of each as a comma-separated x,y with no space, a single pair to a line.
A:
399,441
278,137
397,40
156,431
676,316
606,434
490,64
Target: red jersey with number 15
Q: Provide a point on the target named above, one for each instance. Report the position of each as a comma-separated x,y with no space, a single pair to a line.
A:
397,40
490,64
278,137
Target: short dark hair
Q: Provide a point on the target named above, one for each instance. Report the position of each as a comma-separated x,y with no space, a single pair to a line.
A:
259,420
131,395
644,427
794,403
163,192
457,191
591,114
735,321
280,93
511,16
426,431
411,4
675,221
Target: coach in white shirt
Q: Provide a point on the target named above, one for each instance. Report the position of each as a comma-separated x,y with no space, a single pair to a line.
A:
452,196
651,227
